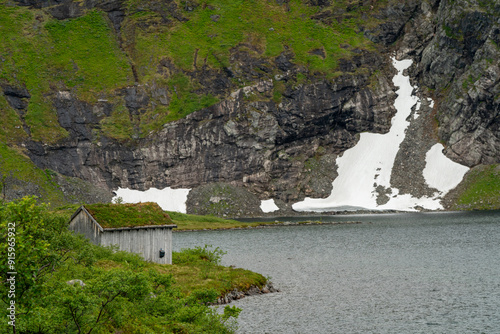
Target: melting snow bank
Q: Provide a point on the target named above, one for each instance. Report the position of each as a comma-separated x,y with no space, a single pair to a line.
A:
365,170
440,172
268,205
167,198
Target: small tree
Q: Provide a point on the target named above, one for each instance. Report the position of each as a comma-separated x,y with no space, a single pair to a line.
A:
118,200
28,236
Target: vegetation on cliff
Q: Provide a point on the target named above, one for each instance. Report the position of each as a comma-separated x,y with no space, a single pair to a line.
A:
65,284
93,57
115,72
16,171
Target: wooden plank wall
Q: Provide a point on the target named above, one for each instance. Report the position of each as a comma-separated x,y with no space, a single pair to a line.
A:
83,224
144,241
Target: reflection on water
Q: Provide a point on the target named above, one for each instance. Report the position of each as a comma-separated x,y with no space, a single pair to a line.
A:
398,273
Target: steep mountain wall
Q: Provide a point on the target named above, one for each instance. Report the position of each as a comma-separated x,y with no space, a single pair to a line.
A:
268,122
457,61
264,146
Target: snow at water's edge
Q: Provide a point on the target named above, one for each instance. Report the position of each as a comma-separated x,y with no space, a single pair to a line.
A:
268,205
440,172
168,199
368,165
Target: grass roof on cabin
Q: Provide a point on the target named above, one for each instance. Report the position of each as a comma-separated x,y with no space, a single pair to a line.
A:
128,215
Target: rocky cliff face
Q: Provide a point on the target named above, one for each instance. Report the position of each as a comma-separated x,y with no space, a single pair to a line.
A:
283,150
278,135
456,48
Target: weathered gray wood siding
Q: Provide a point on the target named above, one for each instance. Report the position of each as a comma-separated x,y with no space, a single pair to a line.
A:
82,223
144,241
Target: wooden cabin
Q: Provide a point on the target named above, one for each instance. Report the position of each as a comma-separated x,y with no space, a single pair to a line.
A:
142,228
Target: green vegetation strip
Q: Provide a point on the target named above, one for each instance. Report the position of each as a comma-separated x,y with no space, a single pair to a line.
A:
196,222
64,284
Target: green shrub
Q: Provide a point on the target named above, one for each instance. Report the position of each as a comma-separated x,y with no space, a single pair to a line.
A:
197,254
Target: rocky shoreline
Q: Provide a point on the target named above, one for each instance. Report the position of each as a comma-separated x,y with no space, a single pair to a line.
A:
254,290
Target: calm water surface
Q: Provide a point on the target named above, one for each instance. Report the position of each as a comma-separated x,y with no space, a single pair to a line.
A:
398,273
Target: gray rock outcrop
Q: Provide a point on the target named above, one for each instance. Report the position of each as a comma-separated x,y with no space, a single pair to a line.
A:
267,147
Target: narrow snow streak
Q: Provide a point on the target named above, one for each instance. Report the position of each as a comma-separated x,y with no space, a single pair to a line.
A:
167,198
268,205
368,165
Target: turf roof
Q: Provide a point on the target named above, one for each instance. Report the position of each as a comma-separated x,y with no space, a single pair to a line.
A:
128,215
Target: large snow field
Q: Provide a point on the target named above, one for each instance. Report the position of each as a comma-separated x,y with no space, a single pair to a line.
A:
369,164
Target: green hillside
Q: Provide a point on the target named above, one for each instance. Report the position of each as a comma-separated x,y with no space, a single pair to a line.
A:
87,57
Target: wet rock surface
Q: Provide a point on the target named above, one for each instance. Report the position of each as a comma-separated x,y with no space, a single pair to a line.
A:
458,64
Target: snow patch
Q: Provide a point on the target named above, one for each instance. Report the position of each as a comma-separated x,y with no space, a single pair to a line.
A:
167,198
440,172
364,171
431,102
268,205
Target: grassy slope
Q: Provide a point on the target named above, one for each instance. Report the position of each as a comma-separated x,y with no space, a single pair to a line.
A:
18,170
190,270
196,222
263,24
480,190
46,55
193,273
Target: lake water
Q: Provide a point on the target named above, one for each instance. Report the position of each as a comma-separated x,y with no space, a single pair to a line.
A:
396,273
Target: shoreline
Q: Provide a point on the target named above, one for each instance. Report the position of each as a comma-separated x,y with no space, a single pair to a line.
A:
310,218
344,213
268,225
236,294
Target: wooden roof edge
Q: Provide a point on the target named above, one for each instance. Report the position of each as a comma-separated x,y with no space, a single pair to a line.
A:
75,213
82,208
139,227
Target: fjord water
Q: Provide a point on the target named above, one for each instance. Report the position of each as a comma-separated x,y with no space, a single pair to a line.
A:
392,273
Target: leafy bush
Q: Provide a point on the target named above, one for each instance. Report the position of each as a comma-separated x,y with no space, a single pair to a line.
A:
193,255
